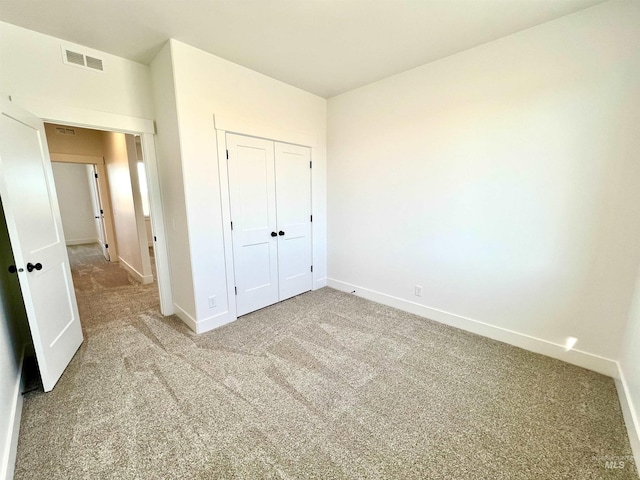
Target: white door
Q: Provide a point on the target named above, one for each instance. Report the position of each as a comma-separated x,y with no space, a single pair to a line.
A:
253,217
293,200
98,211
35,230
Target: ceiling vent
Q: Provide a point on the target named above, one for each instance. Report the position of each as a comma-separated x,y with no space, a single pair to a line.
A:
80,60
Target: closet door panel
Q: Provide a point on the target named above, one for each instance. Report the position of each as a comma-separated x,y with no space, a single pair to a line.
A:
293,203
253,213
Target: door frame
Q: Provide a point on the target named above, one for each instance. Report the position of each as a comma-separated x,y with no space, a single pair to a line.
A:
223,125
104,187
79,117
103,218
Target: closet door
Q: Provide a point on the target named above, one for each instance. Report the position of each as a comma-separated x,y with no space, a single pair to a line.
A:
293,200
253,216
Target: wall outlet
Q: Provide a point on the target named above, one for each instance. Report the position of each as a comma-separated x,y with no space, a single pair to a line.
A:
212,301
418,291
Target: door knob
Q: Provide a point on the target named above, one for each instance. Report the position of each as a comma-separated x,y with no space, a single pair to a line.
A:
280,233
31,267
274,234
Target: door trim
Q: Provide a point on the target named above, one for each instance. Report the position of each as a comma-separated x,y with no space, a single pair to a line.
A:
104,186
57,113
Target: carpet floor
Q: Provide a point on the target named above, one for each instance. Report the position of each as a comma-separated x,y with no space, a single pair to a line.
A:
325,385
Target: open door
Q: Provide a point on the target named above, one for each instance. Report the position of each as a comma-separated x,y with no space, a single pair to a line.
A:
98,212
35,230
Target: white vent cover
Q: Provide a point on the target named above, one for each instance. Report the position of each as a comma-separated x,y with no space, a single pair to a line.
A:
78,59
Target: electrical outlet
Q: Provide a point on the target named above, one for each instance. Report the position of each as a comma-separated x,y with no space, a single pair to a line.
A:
212,301
418,291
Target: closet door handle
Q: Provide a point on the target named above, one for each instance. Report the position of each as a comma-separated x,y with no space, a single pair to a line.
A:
281,233
274,234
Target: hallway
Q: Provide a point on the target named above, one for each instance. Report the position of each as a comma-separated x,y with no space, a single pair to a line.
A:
105,291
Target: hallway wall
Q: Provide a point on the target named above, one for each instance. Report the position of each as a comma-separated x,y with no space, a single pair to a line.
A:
121,161
75,200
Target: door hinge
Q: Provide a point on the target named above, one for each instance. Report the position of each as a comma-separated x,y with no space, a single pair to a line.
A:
96,175
310,164
101,212
311,217
155,239
236,289
106,245
227,154
312,268
231,225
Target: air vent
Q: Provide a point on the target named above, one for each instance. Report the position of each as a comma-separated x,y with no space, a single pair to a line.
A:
65,131
79,59
94,63
74,57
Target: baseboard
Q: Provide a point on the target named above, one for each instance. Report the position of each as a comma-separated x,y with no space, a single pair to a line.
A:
8,460
204,325
320,283
537,345
135,273
185,317
629,413
81,241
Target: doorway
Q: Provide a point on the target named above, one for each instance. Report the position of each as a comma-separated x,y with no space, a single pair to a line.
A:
35,225
101,185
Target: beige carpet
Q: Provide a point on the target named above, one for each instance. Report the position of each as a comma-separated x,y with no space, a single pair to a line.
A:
325,385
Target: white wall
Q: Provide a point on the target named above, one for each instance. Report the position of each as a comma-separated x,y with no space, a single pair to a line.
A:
171,181
120,158
33,71
76,206
504,180
12,336
205,86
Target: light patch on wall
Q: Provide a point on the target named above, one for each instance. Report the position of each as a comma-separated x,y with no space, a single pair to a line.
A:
571,341
144,190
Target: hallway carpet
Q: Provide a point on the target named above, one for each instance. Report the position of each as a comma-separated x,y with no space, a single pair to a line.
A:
325,385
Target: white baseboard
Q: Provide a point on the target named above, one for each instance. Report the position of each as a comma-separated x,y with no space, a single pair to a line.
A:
320,283
135,273
82,241
629,413
185,317
537,345
204,325
8,460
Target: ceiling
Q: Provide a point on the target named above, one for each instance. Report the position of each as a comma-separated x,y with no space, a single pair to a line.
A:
326,47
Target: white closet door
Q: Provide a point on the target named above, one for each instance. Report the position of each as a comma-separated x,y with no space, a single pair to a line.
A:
253,214
293,199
